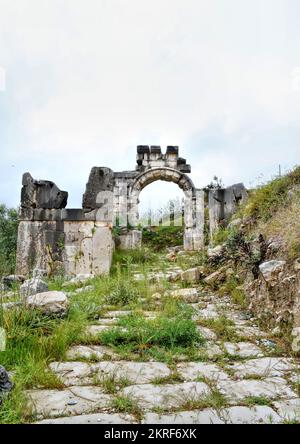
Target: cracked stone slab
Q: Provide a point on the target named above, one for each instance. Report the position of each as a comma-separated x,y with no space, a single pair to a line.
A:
135,372
243,349
271,388
207,333
73,373
233,415
191,371
289,409
264,367
212,350
189,295
90,352
149,396
94,418
72,401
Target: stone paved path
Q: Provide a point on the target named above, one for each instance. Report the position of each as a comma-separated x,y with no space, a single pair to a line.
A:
241,371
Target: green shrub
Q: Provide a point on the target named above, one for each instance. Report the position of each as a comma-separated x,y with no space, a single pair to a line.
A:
143,333
123,293
8,239
159,238
267,199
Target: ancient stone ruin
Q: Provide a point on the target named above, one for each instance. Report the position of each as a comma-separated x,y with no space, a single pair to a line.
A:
81,241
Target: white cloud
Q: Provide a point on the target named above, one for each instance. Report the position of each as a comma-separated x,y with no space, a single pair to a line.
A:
89,80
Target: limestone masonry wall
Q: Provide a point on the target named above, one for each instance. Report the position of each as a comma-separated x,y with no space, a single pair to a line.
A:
80,241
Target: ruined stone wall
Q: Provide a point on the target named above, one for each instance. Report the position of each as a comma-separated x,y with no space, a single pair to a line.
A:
223,203
71,241
80,241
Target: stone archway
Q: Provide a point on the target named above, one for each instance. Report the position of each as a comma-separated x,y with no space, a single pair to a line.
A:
193,206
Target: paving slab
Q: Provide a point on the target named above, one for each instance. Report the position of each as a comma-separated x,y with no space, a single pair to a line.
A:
71,401
73,373
94,418
264,367
207,333
271,388
191,371
135,372
166,396
91,352
243,349
233,415
288,409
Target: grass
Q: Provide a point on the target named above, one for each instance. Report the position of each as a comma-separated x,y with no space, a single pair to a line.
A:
232,287
124,404
142,333
223,327
251,401
267,199
111,383
159,238
33,341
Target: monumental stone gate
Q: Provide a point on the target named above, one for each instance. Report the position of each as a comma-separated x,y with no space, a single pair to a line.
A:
81,241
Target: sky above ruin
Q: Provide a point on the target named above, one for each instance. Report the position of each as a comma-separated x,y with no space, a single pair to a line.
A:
83,82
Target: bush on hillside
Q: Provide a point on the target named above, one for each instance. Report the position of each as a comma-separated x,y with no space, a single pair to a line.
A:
8,239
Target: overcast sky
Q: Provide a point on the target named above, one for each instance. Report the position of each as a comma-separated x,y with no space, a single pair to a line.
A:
88,80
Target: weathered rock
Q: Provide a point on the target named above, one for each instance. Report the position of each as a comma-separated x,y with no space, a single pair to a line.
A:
216,252
215,278
271,269
3,338
235,223
32,287
6,385
191,276
296,340
9,281
207,333
189,295
80,279
42,194
39,273
49,303
84,289
171,257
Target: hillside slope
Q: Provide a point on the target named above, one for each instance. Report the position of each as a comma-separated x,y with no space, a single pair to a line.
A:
259,256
